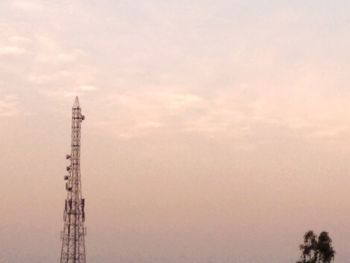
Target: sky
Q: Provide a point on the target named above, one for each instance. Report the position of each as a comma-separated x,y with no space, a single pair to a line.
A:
215,132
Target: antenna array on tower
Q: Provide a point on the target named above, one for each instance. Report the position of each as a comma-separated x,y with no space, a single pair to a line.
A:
73,234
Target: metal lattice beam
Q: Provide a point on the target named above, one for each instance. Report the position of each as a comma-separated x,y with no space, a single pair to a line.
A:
73,234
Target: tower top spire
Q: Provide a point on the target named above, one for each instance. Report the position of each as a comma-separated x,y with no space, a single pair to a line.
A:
76,102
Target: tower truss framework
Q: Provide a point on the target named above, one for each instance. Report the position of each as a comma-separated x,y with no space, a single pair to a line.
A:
73,234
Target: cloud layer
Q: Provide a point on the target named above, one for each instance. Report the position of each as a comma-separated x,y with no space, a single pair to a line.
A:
216,131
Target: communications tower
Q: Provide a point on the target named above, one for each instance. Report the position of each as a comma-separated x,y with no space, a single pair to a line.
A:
73,234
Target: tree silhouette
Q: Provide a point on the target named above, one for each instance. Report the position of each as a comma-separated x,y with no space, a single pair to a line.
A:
316,249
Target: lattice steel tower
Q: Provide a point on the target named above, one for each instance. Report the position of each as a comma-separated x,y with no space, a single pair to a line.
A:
73,234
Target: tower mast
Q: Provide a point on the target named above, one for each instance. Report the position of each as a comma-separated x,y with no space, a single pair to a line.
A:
73,234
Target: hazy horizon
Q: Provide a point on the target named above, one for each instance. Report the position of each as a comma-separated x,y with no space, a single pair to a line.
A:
215,132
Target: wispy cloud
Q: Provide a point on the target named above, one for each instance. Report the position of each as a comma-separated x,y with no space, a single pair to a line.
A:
58,70
27,5
229,89
12,50
9,106
87,88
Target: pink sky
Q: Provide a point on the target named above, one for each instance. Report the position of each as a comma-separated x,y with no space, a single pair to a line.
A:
215,132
